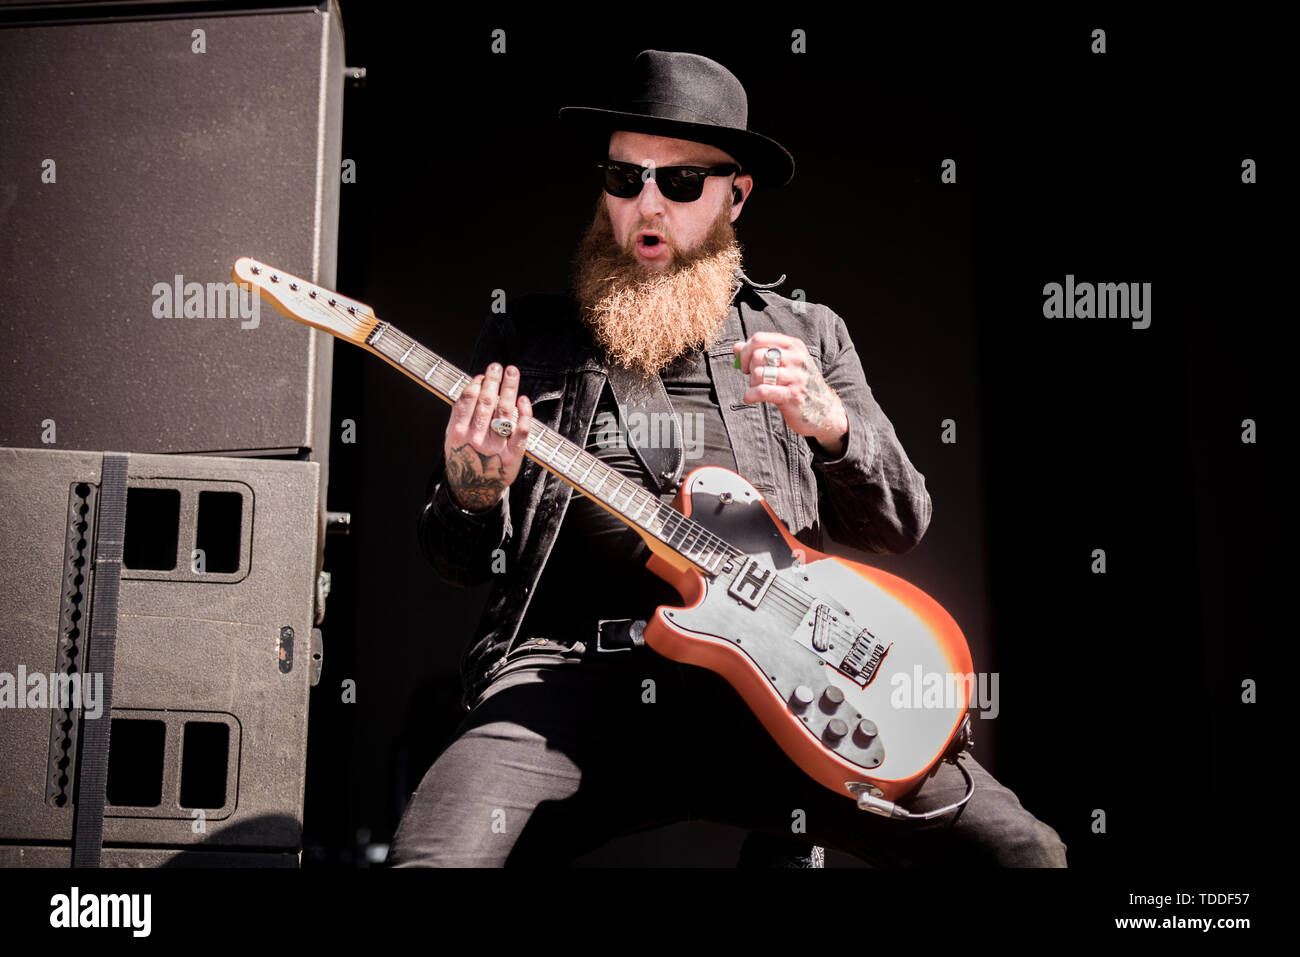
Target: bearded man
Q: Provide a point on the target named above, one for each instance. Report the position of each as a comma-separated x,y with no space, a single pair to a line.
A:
577,732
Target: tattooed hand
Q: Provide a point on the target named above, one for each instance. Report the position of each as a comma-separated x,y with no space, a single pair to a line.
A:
481,463
809,405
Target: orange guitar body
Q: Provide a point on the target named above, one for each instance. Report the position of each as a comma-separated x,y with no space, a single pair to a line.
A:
765,666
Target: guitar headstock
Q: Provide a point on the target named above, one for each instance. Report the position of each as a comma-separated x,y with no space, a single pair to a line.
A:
306,302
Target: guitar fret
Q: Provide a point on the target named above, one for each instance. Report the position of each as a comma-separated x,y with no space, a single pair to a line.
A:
574,462
436,362
559,463
674,532
660,519
402,361
683,545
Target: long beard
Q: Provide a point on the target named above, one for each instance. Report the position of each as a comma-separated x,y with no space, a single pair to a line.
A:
644,320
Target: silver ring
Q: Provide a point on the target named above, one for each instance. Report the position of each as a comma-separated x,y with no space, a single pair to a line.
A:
769,375
503,427
774,356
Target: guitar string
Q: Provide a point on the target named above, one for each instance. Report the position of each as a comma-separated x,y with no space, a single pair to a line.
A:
796,599
673,521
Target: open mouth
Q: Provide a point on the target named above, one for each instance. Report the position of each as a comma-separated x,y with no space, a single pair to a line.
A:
650,244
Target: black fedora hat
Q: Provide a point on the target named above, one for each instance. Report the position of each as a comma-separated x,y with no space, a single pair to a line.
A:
686,96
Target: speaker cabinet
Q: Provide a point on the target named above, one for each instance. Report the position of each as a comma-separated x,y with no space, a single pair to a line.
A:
142,156
215,655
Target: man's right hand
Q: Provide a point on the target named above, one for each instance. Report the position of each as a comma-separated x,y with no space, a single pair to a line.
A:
481,463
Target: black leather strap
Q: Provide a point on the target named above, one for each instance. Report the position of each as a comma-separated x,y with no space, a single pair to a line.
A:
647,401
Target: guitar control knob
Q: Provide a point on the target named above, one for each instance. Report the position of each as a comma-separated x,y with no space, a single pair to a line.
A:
867,730
836,729
802,697
832,697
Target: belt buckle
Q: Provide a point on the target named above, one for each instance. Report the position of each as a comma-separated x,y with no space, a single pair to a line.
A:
635,631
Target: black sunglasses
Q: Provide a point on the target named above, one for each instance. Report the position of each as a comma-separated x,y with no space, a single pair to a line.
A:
681,184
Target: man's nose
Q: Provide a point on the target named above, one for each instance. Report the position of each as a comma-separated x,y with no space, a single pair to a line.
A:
650,202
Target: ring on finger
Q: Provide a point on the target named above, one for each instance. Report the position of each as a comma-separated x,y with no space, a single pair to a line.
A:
769,375
503,427
774,356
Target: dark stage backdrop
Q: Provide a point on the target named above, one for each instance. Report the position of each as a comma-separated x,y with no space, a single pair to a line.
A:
1120,717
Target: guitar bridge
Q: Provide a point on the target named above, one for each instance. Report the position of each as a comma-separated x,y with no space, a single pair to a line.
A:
864,657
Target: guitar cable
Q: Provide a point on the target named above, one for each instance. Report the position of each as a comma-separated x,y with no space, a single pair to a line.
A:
867,801
875,805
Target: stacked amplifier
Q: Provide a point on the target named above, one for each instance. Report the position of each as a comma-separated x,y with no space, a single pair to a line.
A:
163,438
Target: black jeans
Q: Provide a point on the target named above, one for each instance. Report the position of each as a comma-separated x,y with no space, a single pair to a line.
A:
564,751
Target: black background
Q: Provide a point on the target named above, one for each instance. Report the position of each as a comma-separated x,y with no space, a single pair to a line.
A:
1118,692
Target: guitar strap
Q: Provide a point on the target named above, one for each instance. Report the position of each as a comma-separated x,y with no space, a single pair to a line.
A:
647,402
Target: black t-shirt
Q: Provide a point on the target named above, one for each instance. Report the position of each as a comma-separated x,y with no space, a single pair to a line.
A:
596,568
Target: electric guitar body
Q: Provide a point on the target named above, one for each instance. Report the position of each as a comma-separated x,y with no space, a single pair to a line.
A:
826,652
861,678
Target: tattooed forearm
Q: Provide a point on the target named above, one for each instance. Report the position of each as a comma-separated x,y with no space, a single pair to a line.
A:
823,411
476,481
819,399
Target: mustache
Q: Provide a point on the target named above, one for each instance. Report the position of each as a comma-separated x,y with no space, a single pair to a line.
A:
599,247
666,237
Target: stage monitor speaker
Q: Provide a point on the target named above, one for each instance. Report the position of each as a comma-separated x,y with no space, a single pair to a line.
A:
215,655
142,156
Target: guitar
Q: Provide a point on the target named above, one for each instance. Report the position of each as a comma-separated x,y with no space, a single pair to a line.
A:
828,653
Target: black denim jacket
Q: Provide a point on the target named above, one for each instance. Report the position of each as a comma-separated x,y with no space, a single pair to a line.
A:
869,497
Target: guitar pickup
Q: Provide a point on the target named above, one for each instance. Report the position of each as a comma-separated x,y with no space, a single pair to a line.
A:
752,582
864,657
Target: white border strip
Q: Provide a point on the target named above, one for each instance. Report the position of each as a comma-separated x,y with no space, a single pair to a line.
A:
320,146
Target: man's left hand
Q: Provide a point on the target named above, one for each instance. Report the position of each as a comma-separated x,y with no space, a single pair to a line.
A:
809,405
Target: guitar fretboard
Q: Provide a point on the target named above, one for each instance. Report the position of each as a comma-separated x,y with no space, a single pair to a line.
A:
630,501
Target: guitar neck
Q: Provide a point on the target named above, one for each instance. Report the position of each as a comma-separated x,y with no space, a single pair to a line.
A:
616,492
